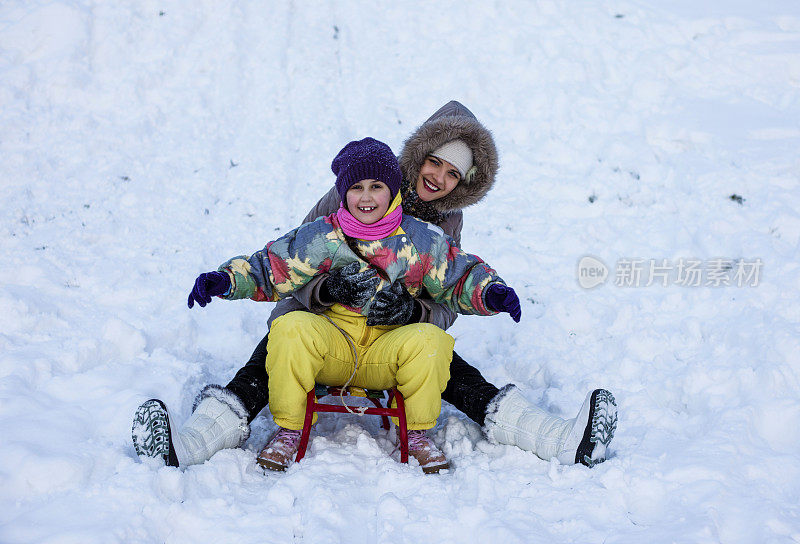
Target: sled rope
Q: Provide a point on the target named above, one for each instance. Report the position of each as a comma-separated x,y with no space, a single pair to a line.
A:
358,412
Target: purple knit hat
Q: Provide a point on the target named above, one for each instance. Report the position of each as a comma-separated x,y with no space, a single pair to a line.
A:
366,159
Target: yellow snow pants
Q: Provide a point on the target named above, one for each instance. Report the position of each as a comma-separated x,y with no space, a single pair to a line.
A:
305,348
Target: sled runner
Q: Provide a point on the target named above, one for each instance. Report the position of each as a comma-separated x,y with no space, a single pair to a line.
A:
375,397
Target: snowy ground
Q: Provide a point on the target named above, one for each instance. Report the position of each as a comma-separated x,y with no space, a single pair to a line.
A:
143,142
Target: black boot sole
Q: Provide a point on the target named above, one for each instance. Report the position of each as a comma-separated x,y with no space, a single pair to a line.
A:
600,427
151,432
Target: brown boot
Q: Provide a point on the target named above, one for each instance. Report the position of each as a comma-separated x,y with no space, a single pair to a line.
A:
279,453
422,448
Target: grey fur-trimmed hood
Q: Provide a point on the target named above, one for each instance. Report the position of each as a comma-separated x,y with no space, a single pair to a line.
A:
451,121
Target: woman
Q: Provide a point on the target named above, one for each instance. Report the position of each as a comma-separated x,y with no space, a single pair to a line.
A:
441,176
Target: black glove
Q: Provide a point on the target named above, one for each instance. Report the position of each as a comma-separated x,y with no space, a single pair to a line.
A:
350,287
394,306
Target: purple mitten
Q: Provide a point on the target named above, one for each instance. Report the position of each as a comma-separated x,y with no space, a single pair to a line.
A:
207,285
502,298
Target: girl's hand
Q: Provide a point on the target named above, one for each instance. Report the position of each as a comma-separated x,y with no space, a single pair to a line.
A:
207,285
502,298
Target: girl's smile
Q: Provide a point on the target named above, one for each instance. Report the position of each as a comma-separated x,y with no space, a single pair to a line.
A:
368,200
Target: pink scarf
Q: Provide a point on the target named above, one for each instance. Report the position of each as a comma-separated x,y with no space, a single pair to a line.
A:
382,228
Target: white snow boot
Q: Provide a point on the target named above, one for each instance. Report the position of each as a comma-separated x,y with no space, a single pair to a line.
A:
512,420
219,421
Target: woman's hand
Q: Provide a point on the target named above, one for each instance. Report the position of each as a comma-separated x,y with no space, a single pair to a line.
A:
393,306
207,285
350,287
502,298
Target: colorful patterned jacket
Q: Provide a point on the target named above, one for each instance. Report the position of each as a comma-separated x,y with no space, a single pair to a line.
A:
419,255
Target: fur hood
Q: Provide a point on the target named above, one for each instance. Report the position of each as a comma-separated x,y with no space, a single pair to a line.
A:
451,121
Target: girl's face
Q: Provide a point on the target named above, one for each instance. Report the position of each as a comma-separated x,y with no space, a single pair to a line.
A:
437,178
368,200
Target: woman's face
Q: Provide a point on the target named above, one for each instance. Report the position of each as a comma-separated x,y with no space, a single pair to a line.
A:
368,200
437,178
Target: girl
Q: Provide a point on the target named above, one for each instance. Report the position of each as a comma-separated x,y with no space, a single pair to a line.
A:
341,346
435,189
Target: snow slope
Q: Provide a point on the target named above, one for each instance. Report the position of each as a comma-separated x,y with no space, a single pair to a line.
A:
143,142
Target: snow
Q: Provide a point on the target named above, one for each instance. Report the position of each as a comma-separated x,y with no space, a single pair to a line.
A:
145,142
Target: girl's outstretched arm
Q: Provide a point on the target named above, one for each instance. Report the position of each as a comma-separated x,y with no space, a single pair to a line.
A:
284,265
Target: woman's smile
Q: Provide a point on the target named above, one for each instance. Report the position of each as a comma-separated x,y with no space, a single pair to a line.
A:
430,186
436,179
